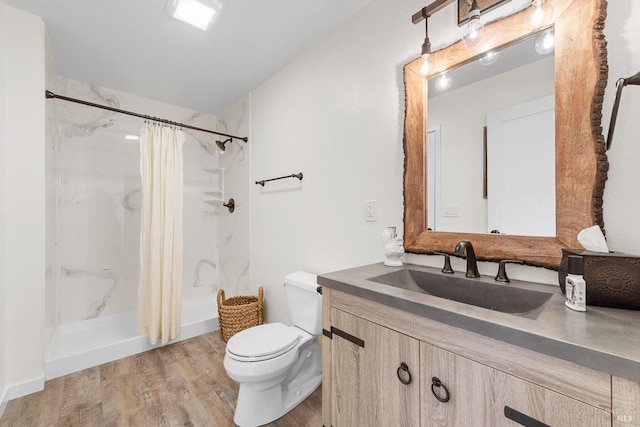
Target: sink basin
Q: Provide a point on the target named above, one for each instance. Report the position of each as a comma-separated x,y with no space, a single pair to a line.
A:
476,292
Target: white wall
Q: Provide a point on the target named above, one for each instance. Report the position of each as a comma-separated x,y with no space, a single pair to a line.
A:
622,192
336,114
51,170
3,161
24,203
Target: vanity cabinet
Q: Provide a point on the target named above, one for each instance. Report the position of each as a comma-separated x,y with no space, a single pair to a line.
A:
369,349
482,396
365,359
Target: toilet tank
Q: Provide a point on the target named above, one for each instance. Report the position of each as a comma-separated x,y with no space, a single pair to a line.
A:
304,301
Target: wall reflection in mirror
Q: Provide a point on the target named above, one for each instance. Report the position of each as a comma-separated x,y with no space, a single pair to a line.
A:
490,143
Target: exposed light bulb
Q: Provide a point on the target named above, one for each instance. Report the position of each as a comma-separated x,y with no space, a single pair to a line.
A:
541,11
538,15
545,43
426,50
443,82
473,32
489,58
424,68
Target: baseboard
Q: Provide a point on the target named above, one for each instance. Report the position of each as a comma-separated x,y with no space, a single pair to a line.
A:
3,400
24,388
19,390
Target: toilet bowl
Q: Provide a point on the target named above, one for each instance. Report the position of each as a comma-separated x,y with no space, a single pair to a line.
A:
278,366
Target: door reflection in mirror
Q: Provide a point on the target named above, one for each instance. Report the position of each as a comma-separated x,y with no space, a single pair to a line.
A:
519,79
521,184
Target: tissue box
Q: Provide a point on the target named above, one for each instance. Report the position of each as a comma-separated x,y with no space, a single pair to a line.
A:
613,279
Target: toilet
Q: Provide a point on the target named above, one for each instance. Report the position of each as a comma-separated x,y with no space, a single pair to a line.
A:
278,366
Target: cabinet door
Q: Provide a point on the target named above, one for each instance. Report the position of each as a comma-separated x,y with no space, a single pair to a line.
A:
481,396
365,374
626,402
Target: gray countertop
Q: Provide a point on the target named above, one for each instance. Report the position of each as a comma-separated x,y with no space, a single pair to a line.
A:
604,339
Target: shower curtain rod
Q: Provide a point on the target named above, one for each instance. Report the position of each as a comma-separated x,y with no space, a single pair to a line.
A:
48,94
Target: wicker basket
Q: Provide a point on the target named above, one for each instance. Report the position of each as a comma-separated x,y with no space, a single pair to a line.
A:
239,313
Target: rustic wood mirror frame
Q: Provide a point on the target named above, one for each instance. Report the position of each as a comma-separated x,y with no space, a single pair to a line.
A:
581,161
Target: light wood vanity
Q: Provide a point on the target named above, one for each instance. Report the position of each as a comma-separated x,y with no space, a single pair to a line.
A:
377,338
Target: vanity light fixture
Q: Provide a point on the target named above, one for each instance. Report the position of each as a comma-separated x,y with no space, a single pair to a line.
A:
443,82
545,43
473,32
621,83
199,13
426,46
424,14
489,57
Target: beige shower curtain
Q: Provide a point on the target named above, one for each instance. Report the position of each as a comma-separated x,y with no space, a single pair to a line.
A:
160,286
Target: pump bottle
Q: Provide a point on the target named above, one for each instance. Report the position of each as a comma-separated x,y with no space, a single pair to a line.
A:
575,286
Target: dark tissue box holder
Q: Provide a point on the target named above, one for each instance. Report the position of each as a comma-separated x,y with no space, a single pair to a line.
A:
613,279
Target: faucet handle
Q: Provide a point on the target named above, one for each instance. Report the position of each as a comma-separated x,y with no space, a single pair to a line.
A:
447,262
502,270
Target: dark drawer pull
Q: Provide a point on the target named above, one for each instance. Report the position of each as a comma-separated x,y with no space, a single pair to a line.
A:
436,383
522,419
347,336
402,371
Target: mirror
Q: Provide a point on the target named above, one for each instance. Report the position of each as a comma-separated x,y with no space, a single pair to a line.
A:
580,159
490,143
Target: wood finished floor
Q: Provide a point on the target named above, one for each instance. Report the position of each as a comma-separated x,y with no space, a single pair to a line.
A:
182,384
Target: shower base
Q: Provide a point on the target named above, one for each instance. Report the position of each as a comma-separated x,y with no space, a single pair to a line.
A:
81,345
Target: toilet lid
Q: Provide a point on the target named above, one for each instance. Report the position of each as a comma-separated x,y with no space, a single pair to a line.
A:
264,340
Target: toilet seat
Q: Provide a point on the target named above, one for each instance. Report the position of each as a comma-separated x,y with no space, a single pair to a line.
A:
263,342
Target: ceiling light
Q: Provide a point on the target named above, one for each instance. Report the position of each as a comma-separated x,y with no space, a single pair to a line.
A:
473,32
132,137
199,13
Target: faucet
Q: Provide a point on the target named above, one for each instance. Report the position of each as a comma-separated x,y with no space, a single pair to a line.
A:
465,248
447,262
502,270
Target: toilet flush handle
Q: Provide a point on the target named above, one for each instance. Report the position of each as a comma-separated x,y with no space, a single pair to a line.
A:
319,290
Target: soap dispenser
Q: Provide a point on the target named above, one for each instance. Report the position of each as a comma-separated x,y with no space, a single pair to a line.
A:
575,286
393,247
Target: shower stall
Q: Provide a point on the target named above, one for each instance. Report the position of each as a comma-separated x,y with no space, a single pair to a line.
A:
93,225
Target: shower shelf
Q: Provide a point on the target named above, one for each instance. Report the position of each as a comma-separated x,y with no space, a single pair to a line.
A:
215,192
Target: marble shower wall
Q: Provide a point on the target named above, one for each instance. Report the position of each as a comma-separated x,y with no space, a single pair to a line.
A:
235,227
97,188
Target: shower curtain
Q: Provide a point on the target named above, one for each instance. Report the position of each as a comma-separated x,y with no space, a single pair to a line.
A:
160,286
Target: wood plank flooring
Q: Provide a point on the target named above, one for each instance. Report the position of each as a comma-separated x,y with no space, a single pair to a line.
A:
182,384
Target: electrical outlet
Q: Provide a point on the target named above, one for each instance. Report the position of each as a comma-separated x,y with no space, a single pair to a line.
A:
452,211
370,210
